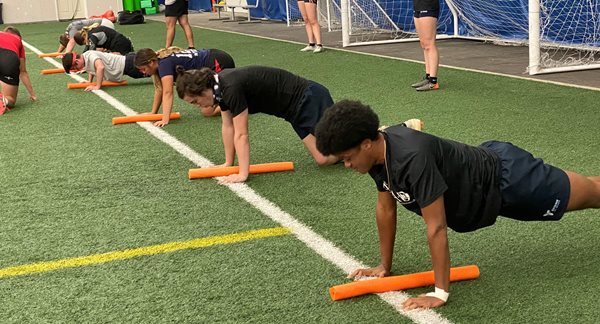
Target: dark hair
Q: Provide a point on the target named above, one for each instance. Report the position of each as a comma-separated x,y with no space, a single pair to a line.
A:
80,38
12,30
194,82
344,126
144,56
67,61
63,39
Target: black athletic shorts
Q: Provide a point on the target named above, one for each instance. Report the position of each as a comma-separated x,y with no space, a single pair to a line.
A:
9,67
219,60
130,69
309,1
531,190
312,106
426,8
122,45
178,9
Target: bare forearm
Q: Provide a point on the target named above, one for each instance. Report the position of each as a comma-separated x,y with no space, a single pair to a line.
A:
156,102
229,147
386,226
242,148
24,76
440,256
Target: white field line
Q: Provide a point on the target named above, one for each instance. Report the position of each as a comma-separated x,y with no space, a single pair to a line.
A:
313,240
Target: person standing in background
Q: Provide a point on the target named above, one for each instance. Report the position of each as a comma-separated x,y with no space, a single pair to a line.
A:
308,9
177,10
426,13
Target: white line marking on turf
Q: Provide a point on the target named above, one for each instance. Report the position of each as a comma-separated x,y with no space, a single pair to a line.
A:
313,240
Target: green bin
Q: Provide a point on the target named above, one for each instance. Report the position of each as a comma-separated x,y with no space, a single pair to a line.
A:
128,5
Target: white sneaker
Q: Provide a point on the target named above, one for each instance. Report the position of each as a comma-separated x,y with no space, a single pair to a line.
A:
318,49
308,48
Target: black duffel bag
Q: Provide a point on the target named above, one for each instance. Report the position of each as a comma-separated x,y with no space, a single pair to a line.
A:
130,17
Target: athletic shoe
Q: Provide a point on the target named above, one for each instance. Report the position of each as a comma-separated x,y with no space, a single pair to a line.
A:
3,107
428,86
415,124
308,49
318,49
420,83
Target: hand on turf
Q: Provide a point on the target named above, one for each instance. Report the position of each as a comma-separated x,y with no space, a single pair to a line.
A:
92,87
233,178
162,122
378,271
422,302
33,98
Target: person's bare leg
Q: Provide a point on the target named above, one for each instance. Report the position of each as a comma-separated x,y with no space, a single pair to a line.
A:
427,30
311,145
585,191
187,29
313,21
170,22
9,92
305,18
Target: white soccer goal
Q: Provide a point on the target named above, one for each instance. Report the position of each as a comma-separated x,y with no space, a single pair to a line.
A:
328,12
563,35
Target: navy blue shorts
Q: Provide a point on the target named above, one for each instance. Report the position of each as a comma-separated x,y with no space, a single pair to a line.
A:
531,190
312,106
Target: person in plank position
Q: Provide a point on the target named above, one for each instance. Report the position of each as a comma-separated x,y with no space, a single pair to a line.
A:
449,184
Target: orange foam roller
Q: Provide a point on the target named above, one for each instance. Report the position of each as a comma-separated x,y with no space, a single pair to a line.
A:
142,118
225,171
52,71
403,282
104,84
51,54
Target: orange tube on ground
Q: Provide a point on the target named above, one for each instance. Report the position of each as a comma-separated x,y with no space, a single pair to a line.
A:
408,281
86,84
225,171
142,118
52,71
51,54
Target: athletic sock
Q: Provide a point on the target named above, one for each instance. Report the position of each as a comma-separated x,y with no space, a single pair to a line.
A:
311,44
433,79
320,45
426,76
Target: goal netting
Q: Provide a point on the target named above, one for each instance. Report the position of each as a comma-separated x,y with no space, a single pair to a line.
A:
562,35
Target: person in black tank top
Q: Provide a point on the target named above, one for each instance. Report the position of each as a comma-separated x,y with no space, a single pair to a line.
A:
448,184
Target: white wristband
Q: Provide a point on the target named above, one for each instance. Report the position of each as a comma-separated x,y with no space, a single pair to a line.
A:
439,294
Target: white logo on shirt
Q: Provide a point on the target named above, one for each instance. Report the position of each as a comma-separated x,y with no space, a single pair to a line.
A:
401,196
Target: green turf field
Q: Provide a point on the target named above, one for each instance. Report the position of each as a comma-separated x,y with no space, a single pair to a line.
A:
72,185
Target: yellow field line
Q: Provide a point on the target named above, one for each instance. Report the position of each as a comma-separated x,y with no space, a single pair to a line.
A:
147,250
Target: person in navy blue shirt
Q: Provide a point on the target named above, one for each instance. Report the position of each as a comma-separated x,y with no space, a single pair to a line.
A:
162,67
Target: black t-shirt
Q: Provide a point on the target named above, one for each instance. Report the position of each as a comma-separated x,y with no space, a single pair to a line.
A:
261,89
422,167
